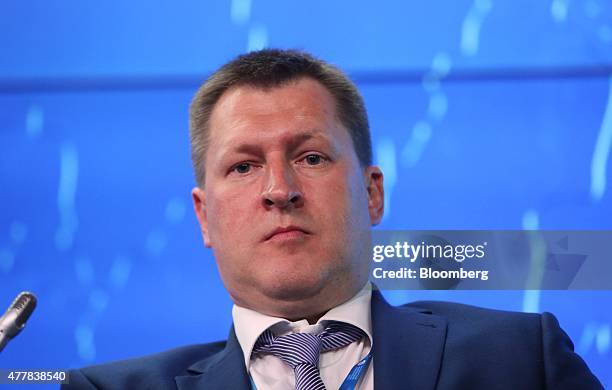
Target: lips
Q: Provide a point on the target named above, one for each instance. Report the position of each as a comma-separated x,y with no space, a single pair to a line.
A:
286,232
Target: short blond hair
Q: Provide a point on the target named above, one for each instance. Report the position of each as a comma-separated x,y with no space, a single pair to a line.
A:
271,68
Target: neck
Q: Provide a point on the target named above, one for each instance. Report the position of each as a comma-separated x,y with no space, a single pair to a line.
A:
311,309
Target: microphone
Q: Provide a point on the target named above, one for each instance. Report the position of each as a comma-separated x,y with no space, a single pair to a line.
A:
13,321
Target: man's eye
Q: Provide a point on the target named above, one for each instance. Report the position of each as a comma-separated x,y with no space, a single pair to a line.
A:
313,159
242,168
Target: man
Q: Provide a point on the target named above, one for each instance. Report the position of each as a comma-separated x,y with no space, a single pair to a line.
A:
286,196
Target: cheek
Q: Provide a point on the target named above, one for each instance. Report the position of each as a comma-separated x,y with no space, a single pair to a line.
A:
227,212
355,194
342,202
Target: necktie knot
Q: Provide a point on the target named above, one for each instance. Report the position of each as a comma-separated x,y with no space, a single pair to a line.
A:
301,350
293,349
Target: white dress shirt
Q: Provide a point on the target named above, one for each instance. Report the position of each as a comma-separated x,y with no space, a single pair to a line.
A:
271,373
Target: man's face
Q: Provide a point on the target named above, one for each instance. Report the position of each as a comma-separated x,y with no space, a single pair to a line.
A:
286,206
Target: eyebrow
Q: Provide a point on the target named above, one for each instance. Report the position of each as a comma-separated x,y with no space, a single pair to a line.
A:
294,142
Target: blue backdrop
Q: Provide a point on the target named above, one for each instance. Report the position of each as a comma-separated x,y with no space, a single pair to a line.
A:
485,114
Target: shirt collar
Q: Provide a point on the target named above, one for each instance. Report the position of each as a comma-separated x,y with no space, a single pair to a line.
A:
250,324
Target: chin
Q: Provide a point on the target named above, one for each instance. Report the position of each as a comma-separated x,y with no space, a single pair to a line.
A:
293,289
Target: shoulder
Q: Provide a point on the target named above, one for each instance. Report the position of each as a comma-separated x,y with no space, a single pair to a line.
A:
507,341
463,315
472,326
147,372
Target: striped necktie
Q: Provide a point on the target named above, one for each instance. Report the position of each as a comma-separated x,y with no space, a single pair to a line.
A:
301,350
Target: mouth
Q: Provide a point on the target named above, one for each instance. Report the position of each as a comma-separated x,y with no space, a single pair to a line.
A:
286,233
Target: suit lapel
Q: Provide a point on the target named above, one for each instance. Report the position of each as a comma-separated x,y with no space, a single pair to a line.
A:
408,346
223,370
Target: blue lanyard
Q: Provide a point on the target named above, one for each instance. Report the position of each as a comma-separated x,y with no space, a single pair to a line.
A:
350,382
351,379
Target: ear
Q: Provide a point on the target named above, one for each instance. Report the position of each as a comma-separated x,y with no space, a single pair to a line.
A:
376,194
199,207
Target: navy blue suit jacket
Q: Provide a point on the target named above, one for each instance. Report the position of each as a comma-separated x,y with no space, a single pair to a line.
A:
421,346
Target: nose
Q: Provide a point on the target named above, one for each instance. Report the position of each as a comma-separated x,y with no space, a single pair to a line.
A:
281,189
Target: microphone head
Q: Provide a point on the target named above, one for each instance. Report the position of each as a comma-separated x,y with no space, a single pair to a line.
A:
13,321
23,306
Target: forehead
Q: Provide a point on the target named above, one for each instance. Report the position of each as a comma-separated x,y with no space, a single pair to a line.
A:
302,104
